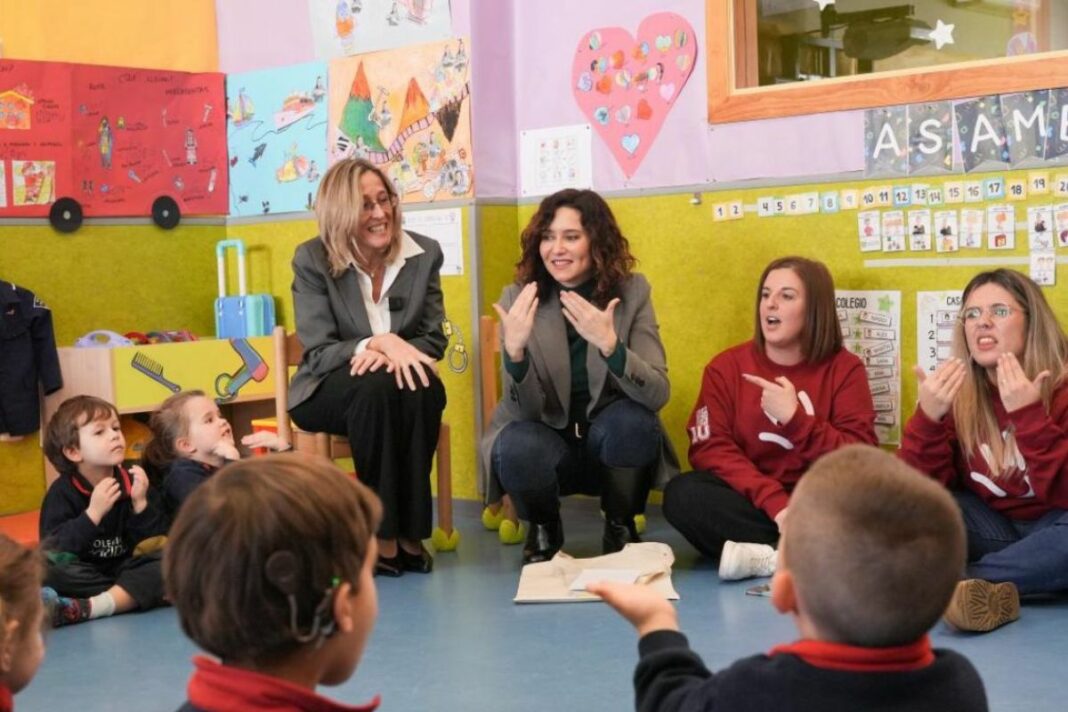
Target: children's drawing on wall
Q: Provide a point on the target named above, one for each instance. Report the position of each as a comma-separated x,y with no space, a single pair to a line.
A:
1001,227
408,111
626,84
277,138
1044,267
35,136
893,231
920,230
971,231
1060,221
341,28
1040,227
33,182
947,239
869,229
141,134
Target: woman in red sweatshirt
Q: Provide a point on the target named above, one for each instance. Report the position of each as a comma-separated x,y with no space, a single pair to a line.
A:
992,425
767,409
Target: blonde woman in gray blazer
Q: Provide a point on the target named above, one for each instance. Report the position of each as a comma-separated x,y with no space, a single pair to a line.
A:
369,312
584,377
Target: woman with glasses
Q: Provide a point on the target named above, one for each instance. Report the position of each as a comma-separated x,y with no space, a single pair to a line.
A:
584,376
992,425
768,408
369,312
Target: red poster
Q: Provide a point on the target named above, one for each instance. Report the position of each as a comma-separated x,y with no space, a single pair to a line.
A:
35,151
139,134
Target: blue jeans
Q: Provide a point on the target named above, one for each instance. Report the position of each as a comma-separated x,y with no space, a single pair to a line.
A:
536,464
1031,554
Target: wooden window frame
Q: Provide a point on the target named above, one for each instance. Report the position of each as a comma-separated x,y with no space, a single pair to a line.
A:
728,103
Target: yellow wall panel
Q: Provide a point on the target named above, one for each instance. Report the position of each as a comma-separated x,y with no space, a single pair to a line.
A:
162,34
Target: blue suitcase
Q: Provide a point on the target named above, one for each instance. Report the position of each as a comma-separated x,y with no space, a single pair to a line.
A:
245,314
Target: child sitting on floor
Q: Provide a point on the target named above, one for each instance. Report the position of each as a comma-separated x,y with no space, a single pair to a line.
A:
21,618
270,566
191,440
869,558
94,516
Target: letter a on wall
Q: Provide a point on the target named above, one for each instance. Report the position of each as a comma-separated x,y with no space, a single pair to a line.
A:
627,84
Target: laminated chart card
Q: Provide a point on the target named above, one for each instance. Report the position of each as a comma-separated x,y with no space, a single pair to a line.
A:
871,326
936,317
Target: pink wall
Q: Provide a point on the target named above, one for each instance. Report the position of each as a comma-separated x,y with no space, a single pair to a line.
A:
686,151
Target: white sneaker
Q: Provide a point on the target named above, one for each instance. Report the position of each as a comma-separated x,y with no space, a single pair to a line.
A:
743,560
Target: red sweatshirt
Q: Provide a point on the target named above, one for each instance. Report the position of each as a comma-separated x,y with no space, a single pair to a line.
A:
1038,485
731,435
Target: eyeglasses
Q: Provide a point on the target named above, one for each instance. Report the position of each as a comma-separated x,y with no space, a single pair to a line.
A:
386,202
997,312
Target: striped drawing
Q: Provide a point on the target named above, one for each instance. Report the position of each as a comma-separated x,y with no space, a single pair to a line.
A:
153,370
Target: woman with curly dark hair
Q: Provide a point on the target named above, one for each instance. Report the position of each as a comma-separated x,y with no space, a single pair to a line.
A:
584,376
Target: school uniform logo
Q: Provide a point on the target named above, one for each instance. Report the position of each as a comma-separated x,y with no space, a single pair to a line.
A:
784,443
699,431
1014,482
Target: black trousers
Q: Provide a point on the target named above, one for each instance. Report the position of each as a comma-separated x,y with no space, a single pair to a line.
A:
393,434
705,510
139,576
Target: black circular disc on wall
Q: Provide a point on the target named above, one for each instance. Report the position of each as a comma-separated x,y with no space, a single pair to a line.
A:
66,215
165,212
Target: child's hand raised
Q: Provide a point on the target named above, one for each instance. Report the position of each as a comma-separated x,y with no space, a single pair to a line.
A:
138,489
642,606
105,494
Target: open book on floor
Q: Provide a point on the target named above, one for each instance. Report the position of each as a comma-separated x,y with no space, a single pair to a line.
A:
562,580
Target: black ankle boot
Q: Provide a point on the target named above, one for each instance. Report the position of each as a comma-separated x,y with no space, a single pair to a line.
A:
624,491
543,541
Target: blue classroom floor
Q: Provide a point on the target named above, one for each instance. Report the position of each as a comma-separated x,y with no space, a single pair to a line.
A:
454,640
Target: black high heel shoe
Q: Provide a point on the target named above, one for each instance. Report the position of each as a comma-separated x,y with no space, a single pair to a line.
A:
392,566
543,541
421,563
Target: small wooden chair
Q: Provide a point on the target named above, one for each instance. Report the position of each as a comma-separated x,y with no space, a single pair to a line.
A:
287,353
497,515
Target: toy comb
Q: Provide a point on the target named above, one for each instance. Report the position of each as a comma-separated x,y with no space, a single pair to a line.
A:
153,370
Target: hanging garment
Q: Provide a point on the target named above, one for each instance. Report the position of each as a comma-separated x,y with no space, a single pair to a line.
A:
28,357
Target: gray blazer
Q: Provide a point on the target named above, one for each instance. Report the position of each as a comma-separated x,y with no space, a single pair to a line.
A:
544,394
331,318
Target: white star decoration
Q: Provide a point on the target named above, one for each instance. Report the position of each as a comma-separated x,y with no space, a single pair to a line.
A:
823,3
942,34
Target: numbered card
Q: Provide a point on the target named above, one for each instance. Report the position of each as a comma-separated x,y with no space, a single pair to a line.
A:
829,202
919,193
994,188
1060,185
884,196
719,212
1040,227
1038,183
735,210
868,199
765,206
778,206
920,230
1016,189
1060,222
954,191
935,196
1001,227
947,234
971,228
794,204
973,191
1044,267
868,228
902,196
850,199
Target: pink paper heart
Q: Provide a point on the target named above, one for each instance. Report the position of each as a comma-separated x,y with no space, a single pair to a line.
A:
655,80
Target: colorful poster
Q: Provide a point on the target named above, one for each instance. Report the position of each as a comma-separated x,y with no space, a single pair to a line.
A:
981,132
35,108
936,318
626,85
344,27
554,158
140,134
409,111
871,327
276,133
